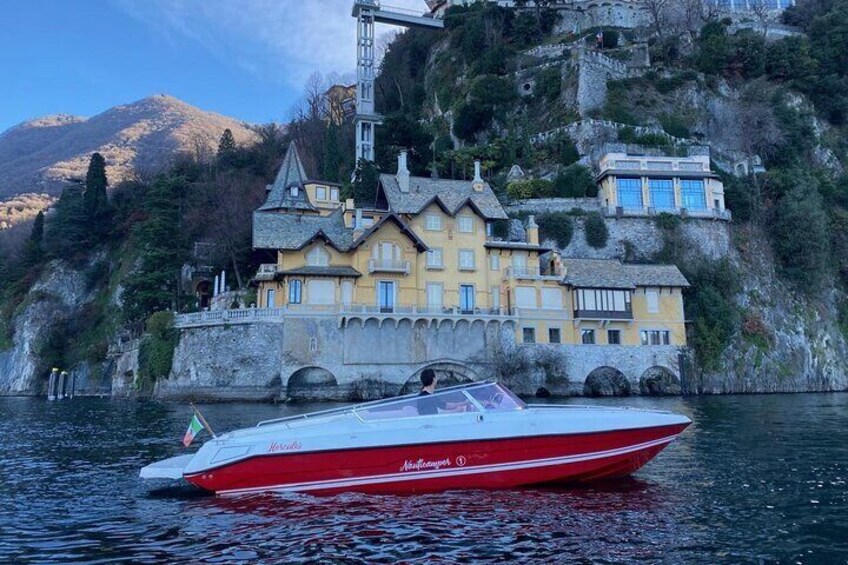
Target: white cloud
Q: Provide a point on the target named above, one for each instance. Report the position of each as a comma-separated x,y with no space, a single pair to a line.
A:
279,40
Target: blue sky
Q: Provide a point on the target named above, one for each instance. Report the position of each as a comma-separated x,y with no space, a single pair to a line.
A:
244,58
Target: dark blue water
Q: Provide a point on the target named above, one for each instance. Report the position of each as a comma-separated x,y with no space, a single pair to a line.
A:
755,479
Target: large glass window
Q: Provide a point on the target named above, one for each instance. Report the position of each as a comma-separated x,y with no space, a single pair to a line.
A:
630,193
662,193
693,195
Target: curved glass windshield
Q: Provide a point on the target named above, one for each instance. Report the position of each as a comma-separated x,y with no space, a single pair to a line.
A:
489,397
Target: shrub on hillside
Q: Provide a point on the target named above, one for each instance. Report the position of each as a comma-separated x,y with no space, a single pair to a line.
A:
575,181
491,90
801,237
533,188
470,120
557,226
549,84
597,233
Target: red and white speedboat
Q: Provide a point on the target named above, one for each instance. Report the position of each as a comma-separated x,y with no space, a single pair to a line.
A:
470,436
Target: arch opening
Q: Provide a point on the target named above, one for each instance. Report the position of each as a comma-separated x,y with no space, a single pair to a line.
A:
448,374
312,383
659,381
606,381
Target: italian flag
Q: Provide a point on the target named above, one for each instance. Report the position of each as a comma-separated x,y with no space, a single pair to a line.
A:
193,427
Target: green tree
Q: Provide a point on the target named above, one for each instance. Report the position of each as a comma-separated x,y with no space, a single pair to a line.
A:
96,200
227,148
33,251
68,229
153,284
597,233
575,181
365,181
714,48
801,237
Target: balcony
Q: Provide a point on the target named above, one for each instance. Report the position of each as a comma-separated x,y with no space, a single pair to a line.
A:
388,266
603,315
266,272
532,273
647,211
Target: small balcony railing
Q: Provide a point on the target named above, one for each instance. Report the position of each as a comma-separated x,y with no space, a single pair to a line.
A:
528,272
603,314
266,272
388,266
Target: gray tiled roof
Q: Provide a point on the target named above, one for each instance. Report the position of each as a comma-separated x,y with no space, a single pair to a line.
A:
611,273
453,195
276,230
516,245
314,271
291,174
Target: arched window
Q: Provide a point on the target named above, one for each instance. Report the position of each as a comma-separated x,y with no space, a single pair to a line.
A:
295,291
318,257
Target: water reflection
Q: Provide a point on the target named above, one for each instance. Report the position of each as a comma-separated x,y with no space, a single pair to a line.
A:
754,478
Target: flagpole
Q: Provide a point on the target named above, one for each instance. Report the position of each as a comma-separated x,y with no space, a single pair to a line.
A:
202,420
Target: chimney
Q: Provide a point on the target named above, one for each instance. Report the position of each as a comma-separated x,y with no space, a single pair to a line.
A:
357,223
402,172
477,184
532,231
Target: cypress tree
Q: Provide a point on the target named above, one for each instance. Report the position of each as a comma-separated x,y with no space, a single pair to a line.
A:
96,200
68,230
33,252
226,148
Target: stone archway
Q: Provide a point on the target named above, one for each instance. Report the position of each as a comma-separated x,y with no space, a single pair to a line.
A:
606,381
312,383
659,381
449,373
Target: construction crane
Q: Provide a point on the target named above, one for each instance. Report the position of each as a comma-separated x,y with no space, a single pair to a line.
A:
367,13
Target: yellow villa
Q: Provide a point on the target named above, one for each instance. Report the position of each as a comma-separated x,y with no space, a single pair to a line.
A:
427,249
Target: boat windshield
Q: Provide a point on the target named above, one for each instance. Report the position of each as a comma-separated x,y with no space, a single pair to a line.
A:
489,397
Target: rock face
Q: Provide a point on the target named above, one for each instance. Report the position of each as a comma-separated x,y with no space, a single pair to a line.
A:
57,295
38,155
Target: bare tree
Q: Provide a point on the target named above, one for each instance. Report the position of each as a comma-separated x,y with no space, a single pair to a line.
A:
658,12
761,9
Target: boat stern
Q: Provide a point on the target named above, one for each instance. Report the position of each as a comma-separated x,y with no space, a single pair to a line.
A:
171,468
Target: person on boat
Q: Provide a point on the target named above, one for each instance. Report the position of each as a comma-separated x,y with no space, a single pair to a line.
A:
429,405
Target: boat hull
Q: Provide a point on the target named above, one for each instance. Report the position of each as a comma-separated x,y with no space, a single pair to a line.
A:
416,468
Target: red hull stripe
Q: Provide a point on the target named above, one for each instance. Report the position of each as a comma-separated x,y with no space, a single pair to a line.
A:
479,469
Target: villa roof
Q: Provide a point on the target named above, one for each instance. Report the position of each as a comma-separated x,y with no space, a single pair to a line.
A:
291,173
611,273
450,195
275,230
392,217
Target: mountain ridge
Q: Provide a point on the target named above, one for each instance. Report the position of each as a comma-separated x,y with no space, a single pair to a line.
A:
38,155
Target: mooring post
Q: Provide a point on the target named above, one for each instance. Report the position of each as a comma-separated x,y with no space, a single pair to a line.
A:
73,385
63,382
51,384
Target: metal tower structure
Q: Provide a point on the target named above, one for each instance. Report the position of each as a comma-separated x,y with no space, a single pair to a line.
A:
367,13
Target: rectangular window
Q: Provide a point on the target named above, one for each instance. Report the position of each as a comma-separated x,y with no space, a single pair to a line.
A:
435,296
334,194
662,193
652,296
434,258
655,337
466,259
629,193
551,299
519,262
525,297
295,291
495,262
269,298
528,335
554,335
465,224
587,337
295,190
433,222
386,296
490,229
495,293
614,337
693,195
321,193
466,298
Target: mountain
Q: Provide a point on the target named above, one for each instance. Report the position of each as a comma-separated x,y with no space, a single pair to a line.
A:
38,155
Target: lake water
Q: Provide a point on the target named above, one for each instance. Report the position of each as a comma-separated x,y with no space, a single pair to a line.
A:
755,479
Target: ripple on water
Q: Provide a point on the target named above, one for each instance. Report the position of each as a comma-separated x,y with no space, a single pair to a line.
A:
738,486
